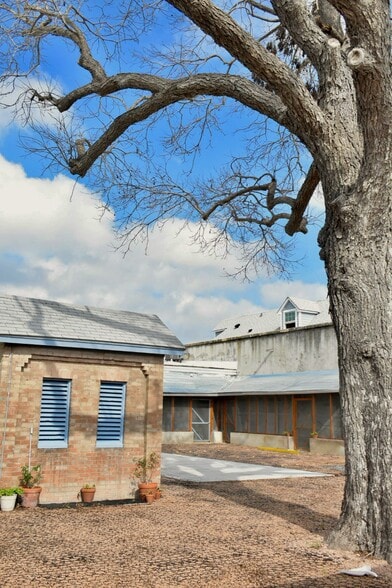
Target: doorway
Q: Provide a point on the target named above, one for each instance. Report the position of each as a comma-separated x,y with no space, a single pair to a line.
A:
303,422
201,419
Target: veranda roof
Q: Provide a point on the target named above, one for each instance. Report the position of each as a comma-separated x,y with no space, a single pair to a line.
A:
201,383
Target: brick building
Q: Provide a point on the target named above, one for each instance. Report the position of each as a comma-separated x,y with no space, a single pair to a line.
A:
80,394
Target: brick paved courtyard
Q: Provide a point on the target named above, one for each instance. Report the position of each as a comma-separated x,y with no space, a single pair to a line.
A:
264,533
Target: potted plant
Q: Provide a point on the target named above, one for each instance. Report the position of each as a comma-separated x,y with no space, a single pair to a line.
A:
150,496
87,492
31,476
314,434
8,498
144,471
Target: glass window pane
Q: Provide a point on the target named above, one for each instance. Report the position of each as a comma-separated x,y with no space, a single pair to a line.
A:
289,414
261,425
337,417
323,415
230,415
281,410
242,415
200,410
166,416
271,415
181,414
253,415
216,415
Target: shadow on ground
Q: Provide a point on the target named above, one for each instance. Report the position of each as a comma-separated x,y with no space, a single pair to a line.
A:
335,580
241,494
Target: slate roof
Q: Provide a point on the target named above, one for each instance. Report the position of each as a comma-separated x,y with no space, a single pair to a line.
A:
36,321
270,320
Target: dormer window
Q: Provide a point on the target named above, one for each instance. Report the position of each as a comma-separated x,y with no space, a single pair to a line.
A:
289,319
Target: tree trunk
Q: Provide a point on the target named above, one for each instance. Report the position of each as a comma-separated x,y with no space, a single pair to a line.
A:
358,258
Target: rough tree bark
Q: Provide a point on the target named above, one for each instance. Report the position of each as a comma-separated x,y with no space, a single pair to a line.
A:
346,125
357,253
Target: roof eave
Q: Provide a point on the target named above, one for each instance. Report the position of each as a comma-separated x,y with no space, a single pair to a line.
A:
92,345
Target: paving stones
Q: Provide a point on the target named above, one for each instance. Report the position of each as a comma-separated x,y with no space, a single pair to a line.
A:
252,534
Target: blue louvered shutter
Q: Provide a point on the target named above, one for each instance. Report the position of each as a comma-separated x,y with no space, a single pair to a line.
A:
111,414
54,415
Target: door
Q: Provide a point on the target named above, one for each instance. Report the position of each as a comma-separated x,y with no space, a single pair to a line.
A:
201,419
303,422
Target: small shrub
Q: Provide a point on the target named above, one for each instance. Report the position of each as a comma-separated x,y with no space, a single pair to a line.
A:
11,491
31,476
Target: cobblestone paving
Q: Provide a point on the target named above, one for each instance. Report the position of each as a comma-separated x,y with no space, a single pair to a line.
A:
263,533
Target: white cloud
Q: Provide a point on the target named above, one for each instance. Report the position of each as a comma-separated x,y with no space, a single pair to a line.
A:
274,293
317,204
57,247
16,105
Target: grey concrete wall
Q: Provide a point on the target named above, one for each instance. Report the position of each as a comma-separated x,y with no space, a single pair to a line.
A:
177,437
327,446
295,350
262,440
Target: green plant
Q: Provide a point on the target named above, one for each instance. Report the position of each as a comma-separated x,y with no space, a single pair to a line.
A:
88,486
314,434
31,476
146,466
11,491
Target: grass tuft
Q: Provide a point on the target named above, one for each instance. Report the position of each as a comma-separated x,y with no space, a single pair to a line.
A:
279,450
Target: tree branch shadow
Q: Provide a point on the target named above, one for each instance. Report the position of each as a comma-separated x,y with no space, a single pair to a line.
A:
241,494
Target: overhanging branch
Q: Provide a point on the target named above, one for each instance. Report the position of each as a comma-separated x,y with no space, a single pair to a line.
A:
297,222
167,92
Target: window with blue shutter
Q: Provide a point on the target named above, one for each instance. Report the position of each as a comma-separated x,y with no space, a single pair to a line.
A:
54,415
111,414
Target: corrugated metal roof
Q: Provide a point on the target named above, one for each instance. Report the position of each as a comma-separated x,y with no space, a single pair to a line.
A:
199,382
184,380
288,383
45,320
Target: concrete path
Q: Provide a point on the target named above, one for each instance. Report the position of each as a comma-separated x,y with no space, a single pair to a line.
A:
200,469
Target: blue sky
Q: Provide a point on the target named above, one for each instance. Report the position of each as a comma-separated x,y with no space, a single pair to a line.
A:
54,244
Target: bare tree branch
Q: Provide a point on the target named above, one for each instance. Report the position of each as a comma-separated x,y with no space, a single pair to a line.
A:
233,196
295,16
297,221
171,92
263,64
260,6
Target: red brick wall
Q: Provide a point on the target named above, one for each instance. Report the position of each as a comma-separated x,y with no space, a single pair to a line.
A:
22,370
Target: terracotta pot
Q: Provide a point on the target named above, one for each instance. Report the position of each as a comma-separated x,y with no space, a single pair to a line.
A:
30,496
147,488
87,494
158,495
150,498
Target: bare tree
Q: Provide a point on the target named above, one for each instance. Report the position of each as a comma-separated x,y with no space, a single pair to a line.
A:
316,76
